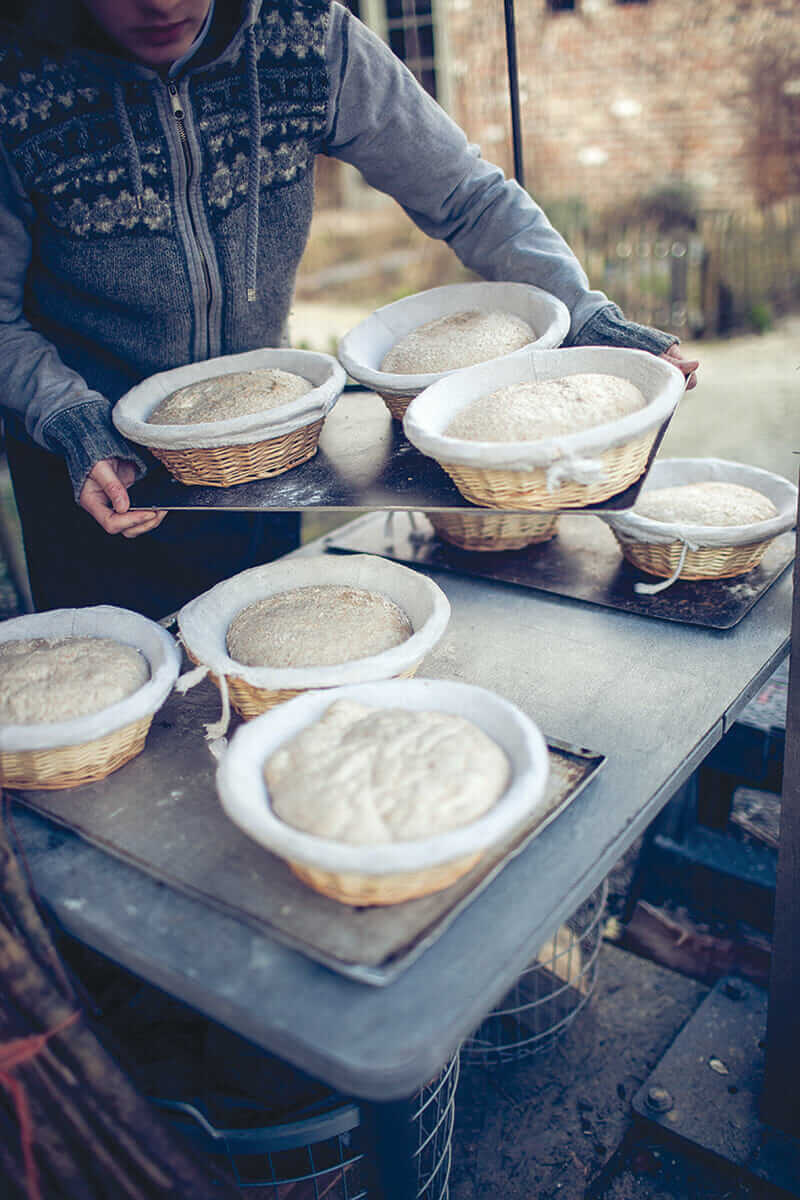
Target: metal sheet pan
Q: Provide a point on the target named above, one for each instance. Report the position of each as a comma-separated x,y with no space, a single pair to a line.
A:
364,461
583,562
160,812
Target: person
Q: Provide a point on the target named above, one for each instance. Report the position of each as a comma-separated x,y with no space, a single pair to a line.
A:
156,193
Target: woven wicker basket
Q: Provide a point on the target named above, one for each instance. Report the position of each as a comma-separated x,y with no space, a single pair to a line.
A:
390,872
222,466
68,752
250,701
204,622
352,888
363,348
672,550
493,530
547,474
71,766
396,405
239,449
714,562
528,489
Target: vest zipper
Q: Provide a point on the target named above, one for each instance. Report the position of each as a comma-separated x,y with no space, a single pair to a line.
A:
178,114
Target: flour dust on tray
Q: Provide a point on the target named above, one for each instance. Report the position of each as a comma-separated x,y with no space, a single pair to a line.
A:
526,412
316,626
458,340
56,679
367,776
225,397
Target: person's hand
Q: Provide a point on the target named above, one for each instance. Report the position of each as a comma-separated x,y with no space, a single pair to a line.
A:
104,495
687,365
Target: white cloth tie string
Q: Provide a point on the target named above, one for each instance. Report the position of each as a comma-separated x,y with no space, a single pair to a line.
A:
650,589
190,679
216,730
575,470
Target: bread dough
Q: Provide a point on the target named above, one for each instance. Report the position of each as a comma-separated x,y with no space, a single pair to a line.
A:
316,626
225,396
56,679
370,775
526,412
458,340
711,503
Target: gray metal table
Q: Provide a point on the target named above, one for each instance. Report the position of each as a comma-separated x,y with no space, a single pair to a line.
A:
653,696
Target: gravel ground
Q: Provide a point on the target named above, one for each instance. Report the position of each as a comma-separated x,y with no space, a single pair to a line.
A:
746,405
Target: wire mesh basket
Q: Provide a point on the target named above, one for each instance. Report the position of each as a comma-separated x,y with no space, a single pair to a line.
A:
318,1156
549,993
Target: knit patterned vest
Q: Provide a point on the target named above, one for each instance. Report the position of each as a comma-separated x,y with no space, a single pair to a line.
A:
121,225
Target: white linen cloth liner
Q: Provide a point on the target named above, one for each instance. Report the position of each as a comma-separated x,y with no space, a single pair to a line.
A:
671,472
571,456
204,621
131,411
106,621
362,349
243,791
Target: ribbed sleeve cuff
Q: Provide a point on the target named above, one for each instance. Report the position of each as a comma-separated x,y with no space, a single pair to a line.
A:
84,435
608,327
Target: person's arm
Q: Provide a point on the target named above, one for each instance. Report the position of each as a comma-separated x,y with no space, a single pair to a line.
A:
404,144
58,408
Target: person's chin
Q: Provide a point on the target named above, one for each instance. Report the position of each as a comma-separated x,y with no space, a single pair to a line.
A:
158,52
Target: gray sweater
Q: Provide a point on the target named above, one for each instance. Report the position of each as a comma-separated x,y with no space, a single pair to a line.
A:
149,222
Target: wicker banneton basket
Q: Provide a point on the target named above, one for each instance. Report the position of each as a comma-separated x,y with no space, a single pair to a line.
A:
225,465
696,552
564,472
363,348
204,624
84,749
389,873
493,530
242,449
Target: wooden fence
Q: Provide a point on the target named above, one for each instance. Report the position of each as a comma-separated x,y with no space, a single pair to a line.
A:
732,271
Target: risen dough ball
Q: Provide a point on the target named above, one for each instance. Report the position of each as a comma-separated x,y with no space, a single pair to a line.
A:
55,679
525,412
458,340
226,396
366,775
709,503
316,626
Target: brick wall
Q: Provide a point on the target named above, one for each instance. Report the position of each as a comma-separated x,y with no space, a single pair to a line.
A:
619,100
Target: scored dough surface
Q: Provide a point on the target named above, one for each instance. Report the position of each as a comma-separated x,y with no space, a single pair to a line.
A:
225,396
524,412
367,775
458,340
316,626
713,502
56,679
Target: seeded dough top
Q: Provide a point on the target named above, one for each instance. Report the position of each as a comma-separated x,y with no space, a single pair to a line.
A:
56,679
525,412
710,503
458,340
317,626
227,396
371,775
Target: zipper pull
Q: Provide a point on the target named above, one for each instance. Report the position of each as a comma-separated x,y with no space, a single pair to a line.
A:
175,101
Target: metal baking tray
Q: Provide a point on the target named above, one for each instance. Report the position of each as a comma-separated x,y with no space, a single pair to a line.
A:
583,562
364,461
160,812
